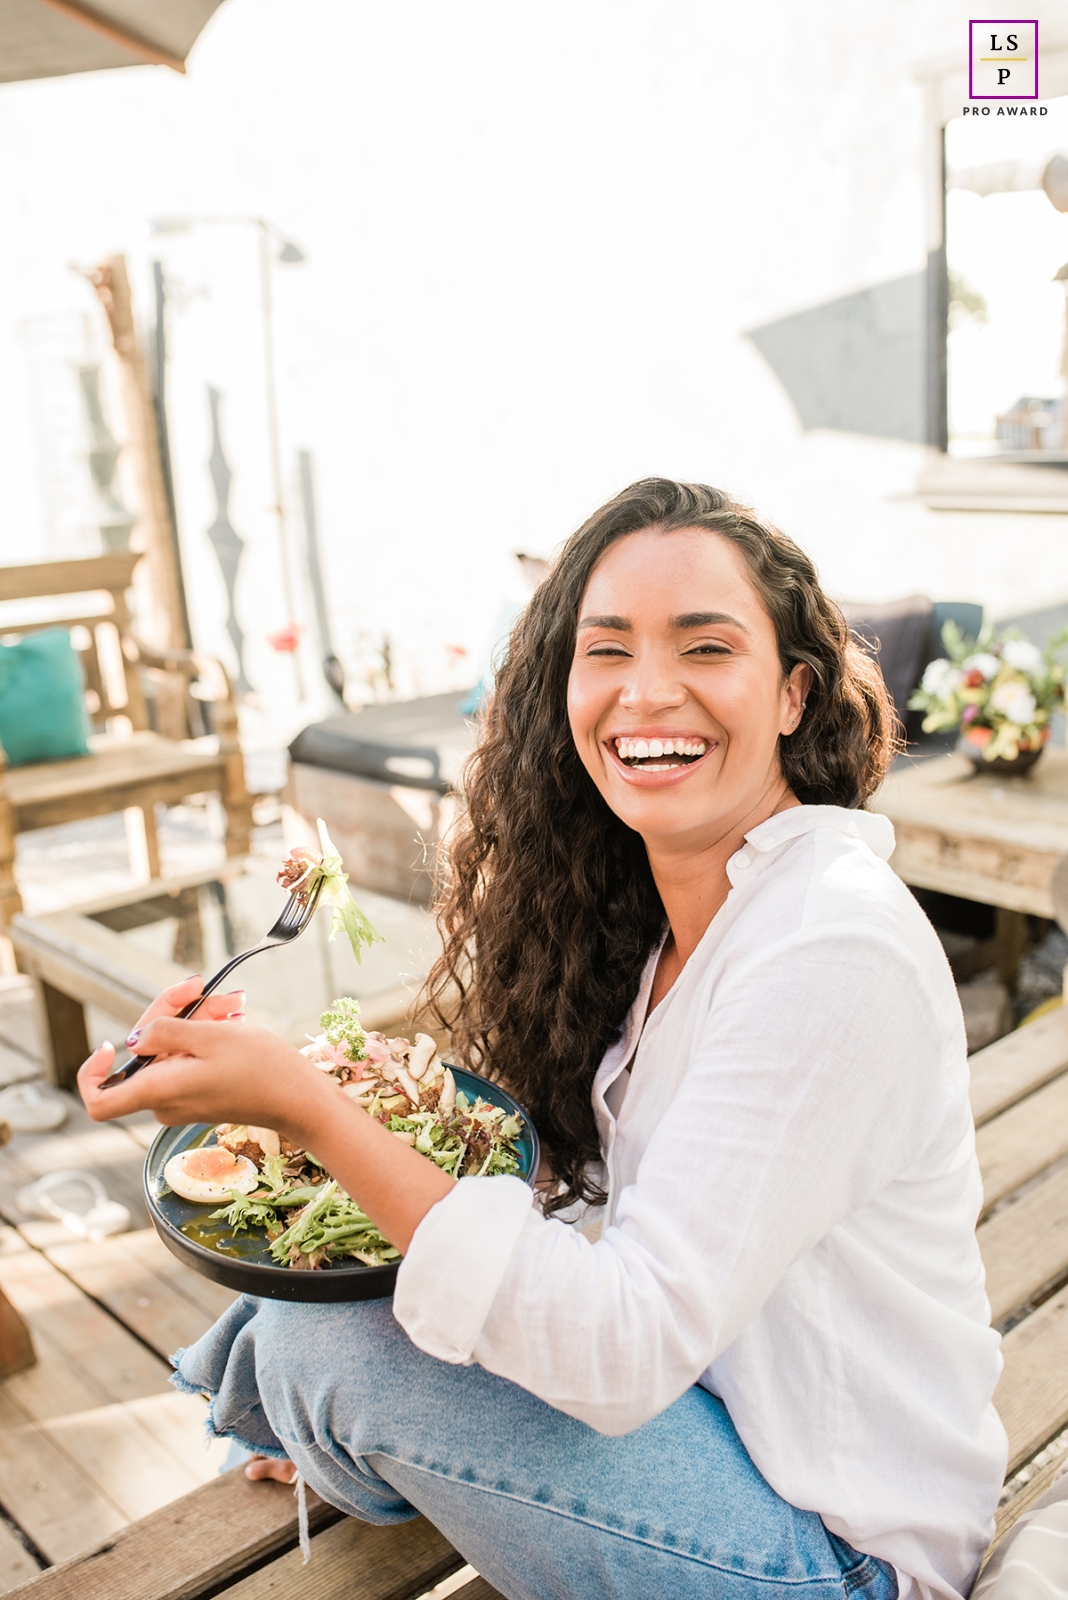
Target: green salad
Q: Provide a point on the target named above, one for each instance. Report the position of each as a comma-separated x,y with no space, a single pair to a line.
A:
307,1218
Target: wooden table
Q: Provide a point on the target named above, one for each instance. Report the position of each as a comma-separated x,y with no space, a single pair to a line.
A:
118,953
980,836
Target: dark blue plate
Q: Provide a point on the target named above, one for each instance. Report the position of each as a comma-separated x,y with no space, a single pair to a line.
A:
243,1262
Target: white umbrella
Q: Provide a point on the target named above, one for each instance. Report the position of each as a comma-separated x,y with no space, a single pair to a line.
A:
50,38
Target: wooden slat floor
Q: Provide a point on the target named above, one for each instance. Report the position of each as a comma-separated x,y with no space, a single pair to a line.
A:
1020,1100
239,1539
93,1438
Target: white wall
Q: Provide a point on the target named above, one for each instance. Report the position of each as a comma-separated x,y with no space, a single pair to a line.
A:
535,233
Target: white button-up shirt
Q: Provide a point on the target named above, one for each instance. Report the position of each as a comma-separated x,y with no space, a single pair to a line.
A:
793,1193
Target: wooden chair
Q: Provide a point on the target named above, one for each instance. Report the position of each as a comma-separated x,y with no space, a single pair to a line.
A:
149,710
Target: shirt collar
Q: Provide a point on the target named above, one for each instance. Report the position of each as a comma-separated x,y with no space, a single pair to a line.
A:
872,829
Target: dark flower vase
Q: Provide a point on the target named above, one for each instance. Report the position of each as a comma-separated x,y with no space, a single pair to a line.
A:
1023,761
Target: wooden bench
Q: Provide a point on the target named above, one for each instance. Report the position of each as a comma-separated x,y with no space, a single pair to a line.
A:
236,1539
1019,1085
239,1540
167,702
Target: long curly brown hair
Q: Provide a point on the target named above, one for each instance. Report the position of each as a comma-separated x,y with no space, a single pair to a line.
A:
548,907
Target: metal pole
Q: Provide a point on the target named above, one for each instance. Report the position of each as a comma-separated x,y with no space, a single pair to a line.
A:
160,402
333,671
272,437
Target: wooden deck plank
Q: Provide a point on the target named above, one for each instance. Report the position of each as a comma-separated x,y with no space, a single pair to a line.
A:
109,1150
147,1246
1016,1065
46,1493
1023,1141
454,1584
168,1310
134,1454
1025,1246
18,1019
1015,1508
95,1422
144,1130
16,1564
193,1545
1032,1394
352,1561
100,1360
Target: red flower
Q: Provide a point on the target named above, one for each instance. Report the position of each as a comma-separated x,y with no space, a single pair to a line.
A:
287,639
973,679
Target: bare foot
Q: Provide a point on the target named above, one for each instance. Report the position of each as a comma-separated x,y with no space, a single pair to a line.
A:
271,1467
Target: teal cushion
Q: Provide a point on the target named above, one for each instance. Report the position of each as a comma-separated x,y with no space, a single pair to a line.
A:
42,699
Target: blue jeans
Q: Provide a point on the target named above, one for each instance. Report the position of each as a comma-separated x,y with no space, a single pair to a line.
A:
543,1506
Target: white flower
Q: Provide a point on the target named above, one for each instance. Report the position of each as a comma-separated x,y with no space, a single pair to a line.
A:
1014,703
940,679
1022,655
984,662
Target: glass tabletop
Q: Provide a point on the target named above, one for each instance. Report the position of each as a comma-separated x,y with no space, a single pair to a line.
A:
201,926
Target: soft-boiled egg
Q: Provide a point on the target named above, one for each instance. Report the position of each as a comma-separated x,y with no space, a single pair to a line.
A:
210,1174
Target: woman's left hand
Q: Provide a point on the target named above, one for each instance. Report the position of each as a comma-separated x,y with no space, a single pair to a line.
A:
211,1072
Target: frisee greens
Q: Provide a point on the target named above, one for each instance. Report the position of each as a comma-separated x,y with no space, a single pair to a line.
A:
332,1225
341,1024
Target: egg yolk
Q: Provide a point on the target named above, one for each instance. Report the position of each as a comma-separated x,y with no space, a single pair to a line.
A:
212,1164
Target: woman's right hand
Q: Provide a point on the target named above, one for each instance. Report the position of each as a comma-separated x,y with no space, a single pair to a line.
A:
216,1008
252,1075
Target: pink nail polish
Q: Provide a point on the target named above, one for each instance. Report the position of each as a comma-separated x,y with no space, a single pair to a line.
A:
132,1038
235,1016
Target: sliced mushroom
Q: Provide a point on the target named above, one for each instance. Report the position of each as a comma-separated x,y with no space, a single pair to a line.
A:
406,1083
404,1136
448,1092
360,1092
421,1056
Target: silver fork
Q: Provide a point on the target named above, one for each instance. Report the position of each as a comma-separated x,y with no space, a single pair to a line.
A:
296,915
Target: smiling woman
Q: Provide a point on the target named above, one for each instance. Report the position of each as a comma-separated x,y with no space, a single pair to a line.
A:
553,882
671,928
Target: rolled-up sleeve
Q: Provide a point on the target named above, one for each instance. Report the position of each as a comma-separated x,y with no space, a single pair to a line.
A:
454,1266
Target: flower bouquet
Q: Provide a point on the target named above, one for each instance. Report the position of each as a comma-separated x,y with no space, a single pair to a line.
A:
1000,692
